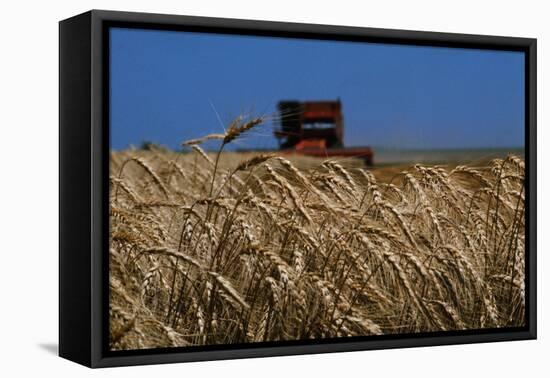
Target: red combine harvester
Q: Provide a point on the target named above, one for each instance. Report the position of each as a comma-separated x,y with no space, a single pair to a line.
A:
316,128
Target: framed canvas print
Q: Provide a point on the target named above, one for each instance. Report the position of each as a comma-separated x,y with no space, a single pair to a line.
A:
234,188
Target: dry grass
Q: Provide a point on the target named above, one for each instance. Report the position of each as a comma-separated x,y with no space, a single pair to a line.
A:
225,248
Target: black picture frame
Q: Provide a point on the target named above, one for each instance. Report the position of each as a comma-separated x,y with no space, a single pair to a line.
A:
83,181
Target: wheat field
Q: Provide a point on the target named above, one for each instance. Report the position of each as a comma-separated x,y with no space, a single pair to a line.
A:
223,248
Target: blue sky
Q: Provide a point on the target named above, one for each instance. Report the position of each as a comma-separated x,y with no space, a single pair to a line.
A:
170,86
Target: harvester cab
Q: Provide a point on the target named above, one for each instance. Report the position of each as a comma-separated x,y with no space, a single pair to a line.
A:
315,128
312,121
